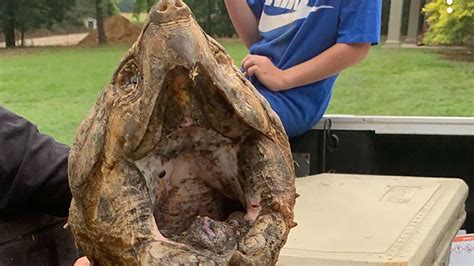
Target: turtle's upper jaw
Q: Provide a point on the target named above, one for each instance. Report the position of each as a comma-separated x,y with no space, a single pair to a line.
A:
168,11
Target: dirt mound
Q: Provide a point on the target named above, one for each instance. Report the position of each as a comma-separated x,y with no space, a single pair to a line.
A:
118,29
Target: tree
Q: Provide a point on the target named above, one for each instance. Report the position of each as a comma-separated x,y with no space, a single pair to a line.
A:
7,12
454,27
24,15
210,14
99,16
101,9
30,18
223,27
205,12
142,6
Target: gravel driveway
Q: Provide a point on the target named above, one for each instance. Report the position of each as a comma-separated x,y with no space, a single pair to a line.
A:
58,40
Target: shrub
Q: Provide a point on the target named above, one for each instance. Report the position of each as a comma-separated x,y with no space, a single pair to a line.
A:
454,28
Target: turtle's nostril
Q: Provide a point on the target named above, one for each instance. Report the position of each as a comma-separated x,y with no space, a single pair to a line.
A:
162,174
169,10
162,7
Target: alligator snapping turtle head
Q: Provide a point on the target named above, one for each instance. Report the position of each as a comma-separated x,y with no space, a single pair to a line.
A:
181,160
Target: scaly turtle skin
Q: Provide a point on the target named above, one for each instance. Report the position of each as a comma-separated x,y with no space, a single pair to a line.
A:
180,161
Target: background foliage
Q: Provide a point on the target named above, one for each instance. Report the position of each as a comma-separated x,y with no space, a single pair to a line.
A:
24,15
211,15
454,28
20,16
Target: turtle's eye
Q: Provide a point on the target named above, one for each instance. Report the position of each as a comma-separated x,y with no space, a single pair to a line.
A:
129,76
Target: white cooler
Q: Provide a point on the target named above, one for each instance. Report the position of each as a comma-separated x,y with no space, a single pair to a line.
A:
374,220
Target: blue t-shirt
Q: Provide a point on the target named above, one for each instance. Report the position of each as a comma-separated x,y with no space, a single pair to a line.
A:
294,31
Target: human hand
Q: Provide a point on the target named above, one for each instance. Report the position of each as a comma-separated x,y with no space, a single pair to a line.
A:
267,73
83,261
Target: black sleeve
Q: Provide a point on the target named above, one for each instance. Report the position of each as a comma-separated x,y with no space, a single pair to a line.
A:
33,169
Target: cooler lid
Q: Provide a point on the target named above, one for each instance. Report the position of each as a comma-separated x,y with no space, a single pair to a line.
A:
365,219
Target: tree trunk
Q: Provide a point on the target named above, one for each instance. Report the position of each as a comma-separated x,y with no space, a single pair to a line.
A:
210,4
22,36
9,25
99,14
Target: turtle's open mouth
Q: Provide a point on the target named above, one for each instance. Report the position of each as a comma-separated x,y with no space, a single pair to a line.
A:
192,173
196,192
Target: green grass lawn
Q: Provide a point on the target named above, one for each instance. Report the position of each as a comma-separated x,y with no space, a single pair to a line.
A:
405,82
55,87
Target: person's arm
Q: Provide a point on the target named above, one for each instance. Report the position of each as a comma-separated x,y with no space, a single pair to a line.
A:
358,29
332,61
244,21
33,169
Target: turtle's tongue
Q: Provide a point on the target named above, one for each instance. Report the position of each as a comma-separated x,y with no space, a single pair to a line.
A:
216,236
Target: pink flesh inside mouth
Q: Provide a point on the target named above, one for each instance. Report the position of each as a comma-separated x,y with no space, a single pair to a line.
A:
187,174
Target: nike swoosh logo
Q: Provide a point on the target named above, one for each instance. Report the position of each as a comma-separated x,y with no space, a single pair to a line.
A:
272,22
